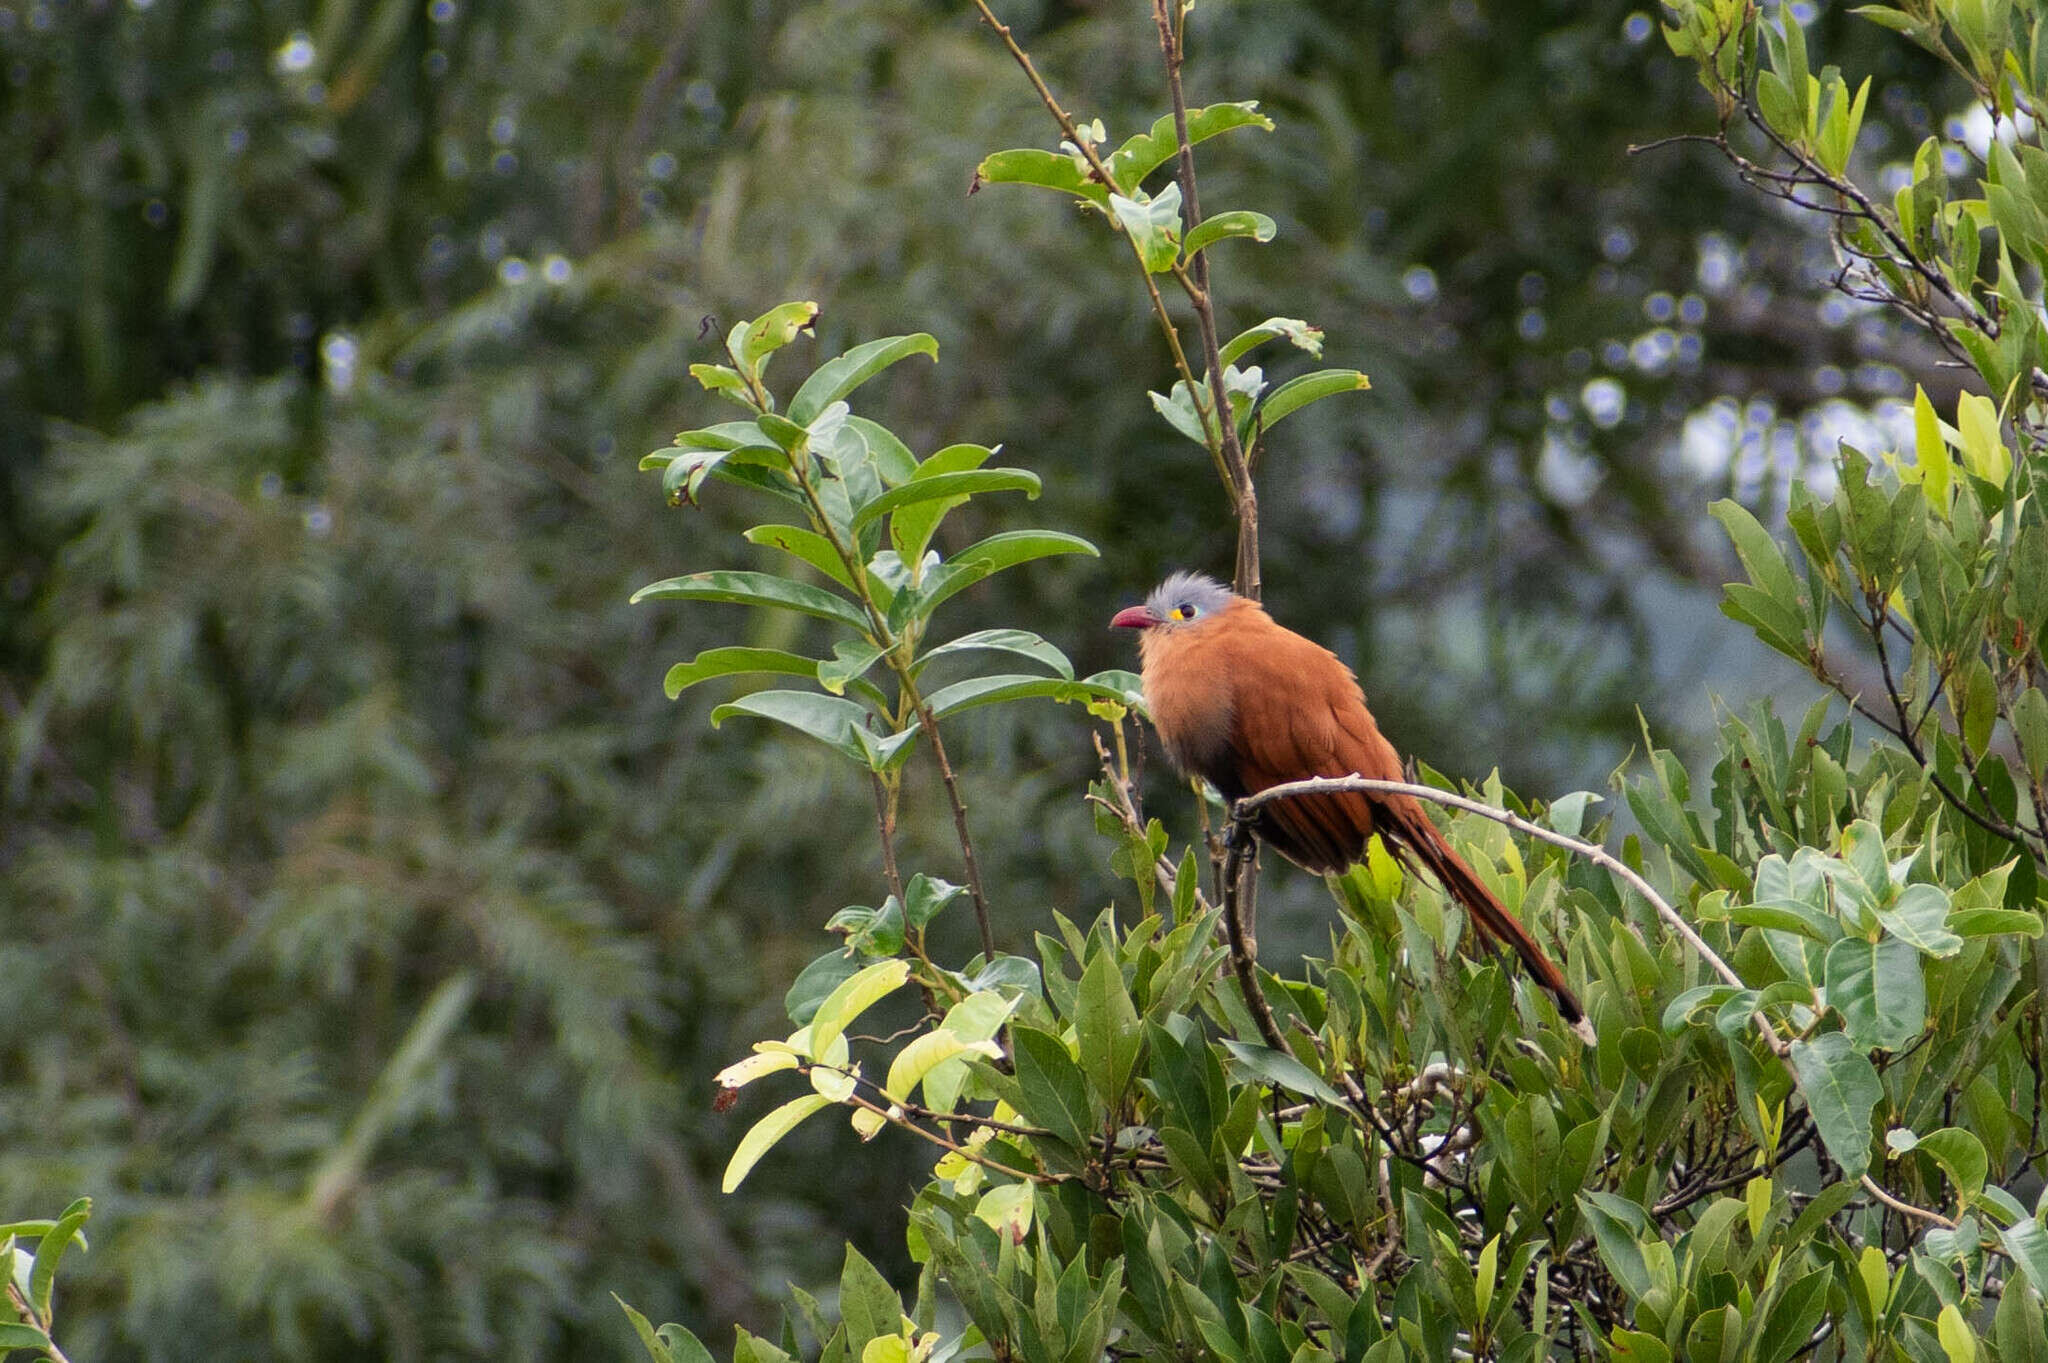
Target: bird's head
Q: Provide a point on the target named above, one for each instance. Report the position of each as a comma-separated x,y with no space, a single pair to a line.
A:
1183,600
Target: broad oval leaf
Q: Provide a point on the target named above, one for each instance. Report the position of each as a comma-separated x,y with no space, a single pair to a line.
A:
752,342
975,1018
1920,916
1237,222
853,997
1841,1089
1879,990
835,378
763,1135
755,589
735,662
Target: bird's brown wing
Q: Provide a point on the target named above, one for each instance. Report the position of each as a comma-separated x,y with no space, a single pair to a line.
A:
1300,713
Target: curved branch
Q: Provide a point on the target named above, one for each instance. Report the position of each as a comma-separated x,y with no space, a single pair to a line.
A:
1244,809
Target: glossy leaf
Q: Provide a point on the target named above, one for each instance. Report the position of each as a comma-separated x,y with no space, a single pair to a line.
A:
735,662
1144,153
1055,1096
1220,226
1297,393
829,719
1153,225
945,486
1300,333
1054,170
835,378
755,589
1879,990
1018,641
989,557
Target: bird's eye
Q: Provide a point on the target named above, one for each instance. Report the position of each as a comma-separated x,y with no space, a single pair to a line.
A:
1184,611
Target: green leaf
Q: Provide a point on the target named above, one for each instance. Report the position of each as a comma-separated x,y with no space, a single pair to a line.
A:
2026,1244
1920,916
815,982
1234,223
1055,1094
869,1307
1106,1024
1019,641
829,719
751,343
1760,555
50,1252
1841,1089
835,378
755,589
1282,1071
1299,392
14,1336
1878,989
989,557
763,1135
1991,922
1780,110
1146,152
806,546
671,1344
1055,170
853,996
734,662
1959,1152
1957,1339
1153,224
942,486
977,1017
850,659
1304,337
1615,1223
977,691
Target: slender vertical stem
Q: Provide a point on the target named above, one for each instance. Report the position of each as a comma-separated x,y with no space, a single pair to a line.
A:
1237,469
931,731
885,820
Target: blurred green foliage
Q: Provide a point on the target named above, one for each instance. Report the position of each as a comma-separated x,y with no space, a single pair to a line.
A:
370,927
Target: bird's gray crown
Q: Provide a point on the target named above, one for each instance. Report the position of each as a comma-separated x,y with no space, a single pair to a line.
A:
1195,595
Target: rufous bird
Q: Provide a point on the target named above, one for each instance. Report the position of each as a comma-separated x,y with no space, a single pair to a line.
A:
1246,704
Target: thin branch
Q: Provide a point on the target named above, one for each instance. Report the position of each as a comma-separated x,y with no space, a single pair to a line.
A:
885,821
1240,880
1599,856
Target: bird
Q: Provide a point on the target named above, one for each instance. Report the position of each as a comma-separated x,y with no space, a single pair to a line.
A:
1245,704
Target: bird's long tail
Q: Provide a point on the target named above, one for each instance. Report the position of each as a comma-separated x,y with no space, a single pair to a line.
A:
1415,830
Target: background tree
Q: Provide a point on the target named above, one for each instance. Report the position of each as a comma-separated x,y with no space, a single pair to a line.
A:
365,905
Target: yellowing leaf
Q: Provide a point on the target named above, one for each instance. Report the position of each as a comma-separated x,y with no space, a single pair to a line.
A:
1937,471
1983,449
868,1123
763,1135
855,994
916,1060
743,1072
1008,1209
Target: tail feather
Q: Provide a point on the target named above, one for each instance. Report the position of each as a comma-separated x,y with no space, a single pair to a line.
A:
1428,846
